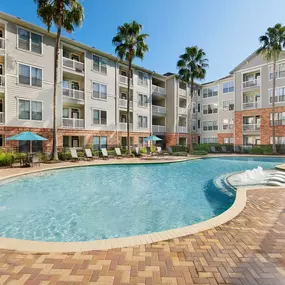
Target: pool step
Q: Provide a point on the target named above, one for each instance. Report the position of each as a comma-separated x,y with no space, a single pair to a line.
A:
222,184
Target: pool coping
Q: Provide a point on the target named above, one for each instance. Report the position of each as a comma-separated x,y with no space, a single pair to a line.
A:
42,246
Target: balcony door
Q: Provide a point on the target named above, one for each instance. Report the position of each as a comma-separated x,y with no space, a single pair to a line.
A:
1,69
75,113
1,33
75,57
75,141
74,85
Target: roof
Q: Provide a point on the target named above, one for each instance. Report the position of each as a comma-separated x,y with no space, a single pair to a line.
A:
216,81
243,62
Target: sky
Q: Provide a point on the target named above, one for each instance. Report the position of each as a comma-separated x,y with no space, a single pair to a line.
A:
227,30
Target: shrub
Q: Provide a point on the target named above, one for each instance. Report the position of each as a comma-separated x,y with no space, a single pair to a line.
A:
256,150
199,152
64,155
6,159
179,148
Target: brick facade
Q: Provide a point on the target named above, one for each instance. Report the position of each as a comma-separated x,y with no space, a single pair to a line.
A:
221,137
172,139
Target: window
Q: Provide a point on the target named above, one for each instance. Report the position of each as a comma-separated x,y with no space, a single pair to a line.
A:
279,95
228,140
194,125
228,105
65,141
142,121
228,124
210,92
194,107
199,124
124,141
142,100
99,142
142,78
228,87
199,107
210,126
99,91
30,110
29,41
279,119
99,117
25,146
210,140
280,71
1,140
278,140
210,109
100,64
31,76
141,141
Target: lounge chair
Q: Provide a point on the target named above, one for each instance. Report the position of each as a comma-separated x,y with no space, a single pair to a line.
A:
35,160
118,152
237,149
74,156
224,149
148,150
159,150
89,155
105,153
213,149
137,151
170,151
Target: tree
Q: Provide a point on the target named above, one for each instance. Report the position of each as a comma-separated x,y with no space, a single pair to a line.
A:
192,66
272,44
66,14
130,43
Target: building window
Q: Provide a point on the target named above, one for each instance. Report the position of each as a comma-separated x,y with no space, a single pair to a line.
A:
210,109
228,140
199,107
100,64
210,92
194,107
210,140
194,125
30,110
25,146
29,41
99,117
199,124
278,140
142,122
65,141
279,119
99,91
142,100
228,124
142,78
279,95
1,140
210,126
280,71
31,76
124,141
141,141
228,105
99,142
228,87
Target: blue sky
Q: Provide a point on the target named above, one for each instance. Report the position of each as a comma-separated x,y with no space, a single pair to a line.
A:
227,30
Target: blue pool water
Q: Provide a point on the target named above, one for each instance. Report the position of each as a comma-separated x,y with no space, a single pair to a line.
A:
90,203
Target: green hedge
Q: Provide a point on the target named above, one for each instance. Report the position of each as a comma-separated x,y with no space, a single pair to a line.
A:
179,148
199,152
6,159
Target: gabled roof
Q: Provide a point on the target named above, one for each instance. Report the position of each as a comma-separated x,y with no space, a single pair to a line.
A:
244,62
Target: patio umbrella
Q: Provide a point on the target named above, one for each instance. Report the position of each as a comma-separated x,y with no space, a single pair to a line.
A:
26,136
152,138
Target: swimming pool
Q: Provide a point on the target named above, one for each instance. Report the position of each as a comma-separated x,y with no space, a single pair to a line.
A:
100,202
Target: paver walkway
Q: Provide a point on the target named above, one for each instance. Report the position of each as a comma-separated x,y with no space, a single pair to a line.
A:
250,249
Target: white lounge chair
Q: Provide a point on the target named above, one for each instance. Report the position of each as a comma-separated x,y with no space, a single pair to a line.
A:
74,156
159,150
104,153
88,154
118,152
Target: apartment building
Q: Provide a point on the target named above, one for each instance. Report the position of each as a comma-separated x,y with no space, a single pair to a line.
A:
92,93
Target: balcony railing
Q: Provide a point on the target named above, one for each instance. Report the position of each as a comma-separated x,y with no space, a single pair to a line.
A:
124,102
2,43
251,83
158,129
73,64
2,80
142,82
182,129
158,109
124,79
73,93
2,117
123,126
182,111
182,92
251,105
251,127
72,123
158,89
278,123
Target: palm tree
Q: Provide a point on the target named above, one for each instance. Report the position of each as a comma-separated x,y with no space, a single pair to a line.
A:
66,14
130,43
192,66
272,44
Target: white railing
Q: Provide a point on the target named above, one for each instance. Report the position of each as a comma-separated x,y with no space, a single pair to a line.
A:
73,123
124,102
123,126
73,93
2,43
73,64
182,129
2,117
158,89
142,82
182,111
158,129
182,92
251,127
2,80
251,83
158,109
124,79
251,105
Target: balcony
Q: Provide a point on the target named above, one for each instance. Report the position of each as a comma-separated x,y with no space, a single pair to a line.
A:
278,123
251,105
123,103
158,90
124,79
2,81
2,117
251,127
182,129
142,82
2,43
251,83
73,93
158,129
123,126
72,123
73,64
158,109
182,92
182,111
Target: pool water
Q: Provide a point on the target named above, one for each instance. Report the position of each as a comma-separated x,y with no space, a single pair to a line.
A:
100,202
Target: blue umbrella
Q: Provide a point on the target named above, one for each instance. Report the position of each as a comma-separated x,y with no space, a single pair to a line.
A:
152,138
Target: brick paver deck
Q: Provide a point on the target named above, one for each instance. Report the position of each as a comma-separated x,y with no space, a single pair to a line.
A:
250,249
